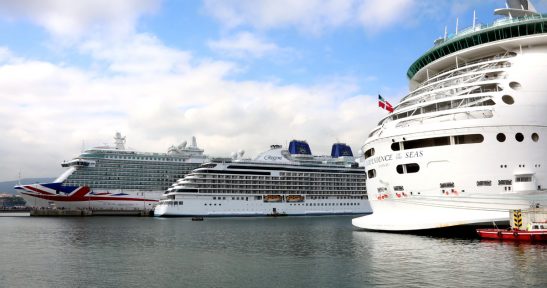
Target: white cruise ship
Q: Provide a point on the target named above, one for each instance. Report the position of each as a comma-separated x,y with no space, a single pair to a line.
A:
277,182
467,144
114,178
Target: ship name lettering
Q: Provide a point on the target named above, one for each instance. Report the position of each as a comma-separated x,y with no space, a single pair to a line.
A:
272,158
379,159
414,154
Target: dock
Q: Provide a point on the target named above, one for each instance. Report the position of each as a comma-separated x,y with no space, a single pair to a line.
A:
520,218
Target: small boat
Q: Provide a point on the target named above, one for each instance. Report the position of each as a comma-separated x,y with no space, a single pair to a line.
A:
275,214
534,232
197,218
295,198
273,198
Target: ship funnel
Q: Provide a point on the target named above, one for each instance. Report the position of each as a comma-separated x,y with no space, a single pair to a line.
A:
194,142
340,150
517,8
299,147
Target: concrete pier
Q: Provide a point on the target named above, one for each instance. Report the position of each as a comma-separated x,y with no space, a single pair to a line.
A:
520,218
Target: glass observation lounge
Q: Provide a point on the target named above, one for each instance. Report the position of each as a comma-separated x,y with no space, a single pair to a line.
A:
481,34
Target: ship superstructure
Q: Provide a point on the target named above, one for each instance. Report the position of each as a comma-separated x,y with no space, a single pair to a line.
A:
467,144
115,178
277,182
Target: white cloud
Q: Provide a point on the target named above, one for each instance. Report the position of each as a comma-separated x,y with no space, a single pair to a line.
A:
243,45
74,18
48,109
376,15
312,16
140,53
308,15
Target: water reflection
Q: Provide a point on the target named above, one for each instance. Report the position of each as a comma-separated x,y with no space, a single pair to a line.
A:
251,252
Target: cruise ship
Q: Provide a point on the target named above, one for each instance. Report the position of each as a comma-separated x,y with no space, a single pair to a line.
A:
115,178
277,182
467,144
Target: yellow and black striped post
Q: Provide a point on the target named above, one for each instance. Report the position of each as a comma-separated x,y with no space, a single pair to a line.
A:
517,218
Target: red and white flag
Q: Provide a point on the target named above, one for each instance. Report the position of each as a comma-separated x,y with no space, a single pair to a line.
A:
384,104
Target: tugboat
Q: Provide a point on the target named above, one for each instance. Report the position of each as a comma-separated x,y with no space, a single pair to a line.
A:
534,232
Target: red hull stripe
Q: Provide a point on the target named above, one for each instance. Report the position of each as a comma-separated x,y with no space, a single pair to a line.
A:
77,197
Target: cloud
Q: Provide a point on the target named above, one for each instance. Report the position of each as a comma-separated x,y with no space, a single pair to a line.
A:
140,53
49,108
311,16
74,19
375,15
243,45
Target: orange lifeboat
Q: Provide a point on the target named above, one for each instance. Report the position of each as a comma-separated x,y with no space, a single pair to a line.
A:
295,198
272,198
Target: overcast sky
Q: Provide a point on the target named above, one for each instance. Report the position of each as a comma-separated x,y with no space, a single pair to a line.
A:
236,74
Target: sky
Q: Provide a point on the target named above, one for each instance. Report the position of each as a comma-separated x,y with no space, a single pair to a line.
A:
237,74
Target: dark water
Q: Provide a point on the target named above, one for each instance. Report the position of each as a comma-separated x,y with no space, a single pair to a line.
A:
251,252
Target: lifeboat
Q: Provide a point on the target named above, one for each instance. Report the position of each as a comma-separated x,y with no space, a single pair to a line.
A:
295,198
272,198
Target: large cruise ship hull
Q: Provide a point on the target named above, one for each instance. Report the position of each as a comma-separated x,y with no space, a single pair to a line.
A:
230,205
446,163
430,212
446,192
56,196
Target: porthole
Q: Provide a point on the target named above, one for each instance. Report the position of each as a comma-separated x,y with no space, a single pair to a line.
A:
515,85
369,153
519,137
500,137
535,137
508,100
410,168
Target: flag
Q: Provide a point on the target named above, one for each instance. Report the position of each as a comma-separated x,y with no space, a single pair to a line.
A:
384,104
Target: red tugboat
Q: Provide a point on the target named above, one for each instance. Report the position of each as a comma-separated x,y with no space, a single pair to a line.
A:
533,232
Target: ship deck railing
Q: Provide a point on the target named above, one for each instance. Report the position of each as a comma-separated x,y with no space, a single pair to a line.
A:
499,30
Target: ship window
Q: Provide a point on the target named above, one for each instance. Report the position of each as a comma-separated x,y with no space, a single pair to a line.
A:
504,182
369,152
395,146
519,137
468,139
523,179
371,173
500,137
508,100
428,142
484,183
412,168
447,185
398,188
515,85
407,168
535,137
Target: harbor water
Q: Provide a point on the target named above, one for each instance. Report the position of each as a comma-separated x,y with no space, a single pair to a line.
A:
251,252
